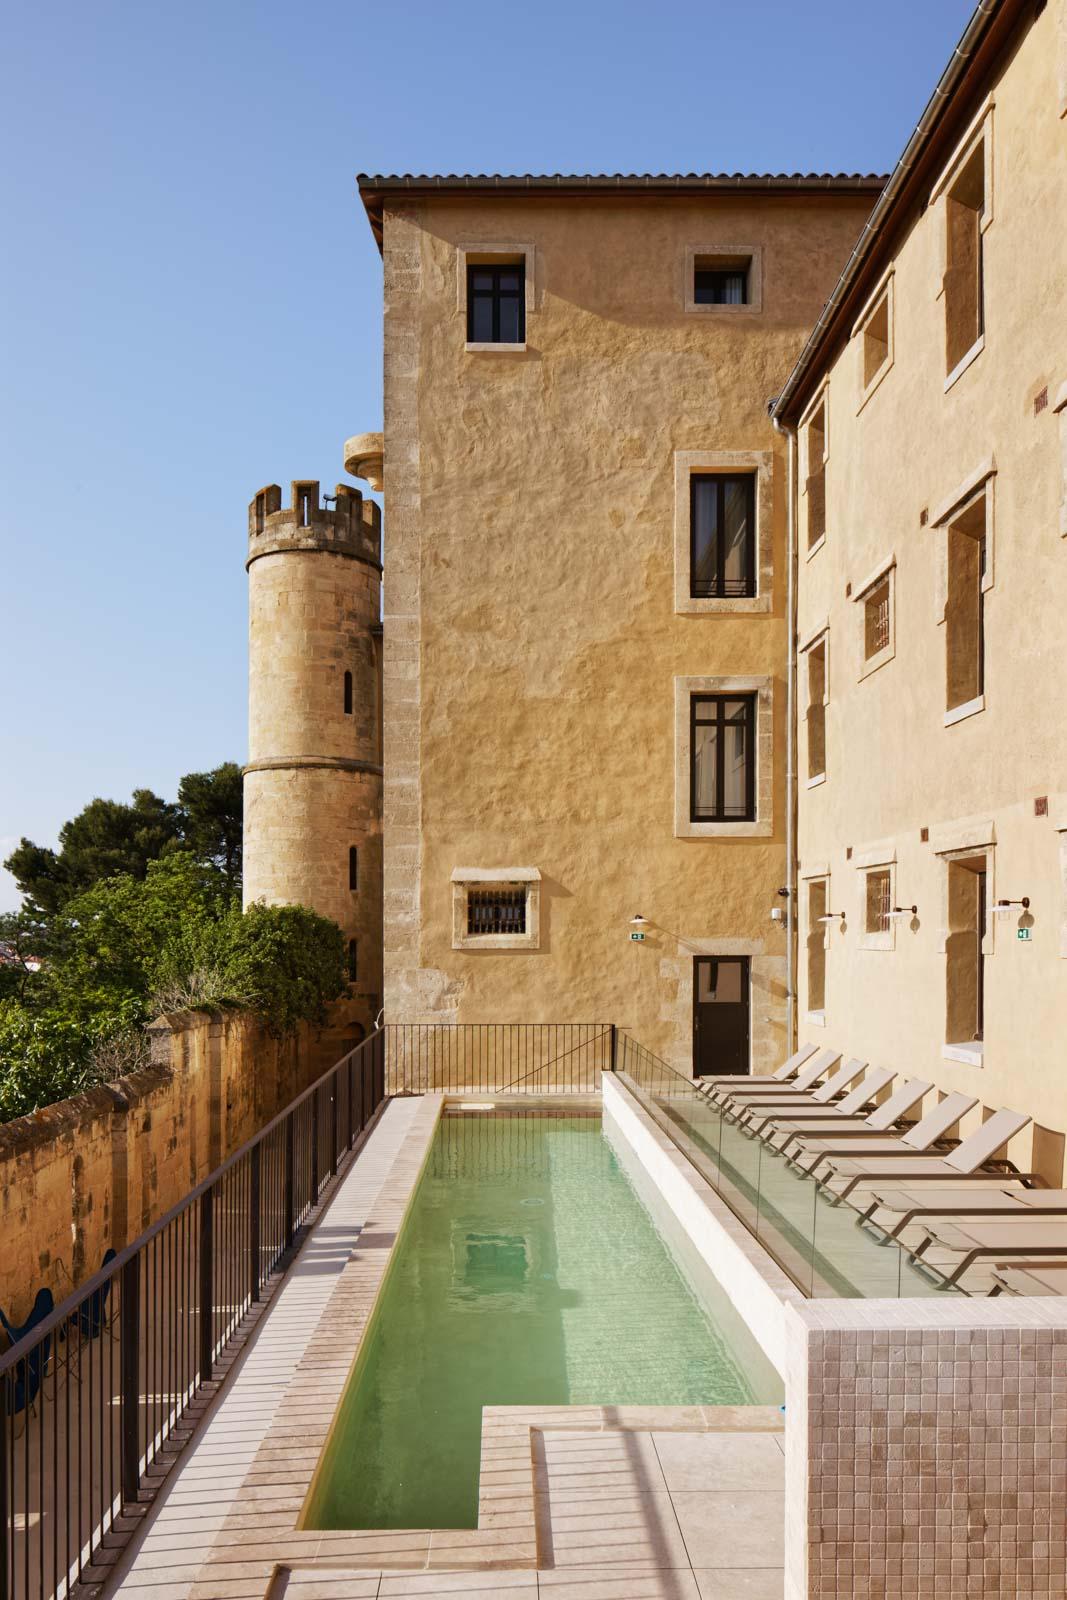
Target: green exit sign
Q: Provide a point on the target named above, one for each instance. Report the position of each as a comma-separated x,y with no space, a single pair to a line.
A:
1022,933
637,938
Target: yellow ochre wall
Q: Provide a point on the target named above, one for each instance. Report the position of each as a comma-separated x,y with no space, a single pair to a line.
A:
893,767
531,638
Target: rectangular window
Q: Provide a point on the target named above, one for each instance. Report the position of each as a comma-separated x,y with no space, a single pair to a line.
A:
965,606
876,341
722,758
719,281
879,901
876,624
353,867
496,911
722,536
816,715
496,303
964,210
965,963
816,945
815,482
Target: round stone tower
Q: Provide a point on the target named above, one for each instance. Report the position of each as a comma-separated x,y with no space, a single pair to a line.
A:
313,783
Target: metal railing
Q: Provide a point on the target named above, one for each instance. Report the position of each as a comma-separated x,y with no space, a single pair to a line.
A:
497,1057
109,1381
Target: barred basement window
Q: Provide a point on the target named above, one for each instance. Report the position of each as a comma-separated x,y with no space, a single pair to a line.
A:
876,620
879,902
495,911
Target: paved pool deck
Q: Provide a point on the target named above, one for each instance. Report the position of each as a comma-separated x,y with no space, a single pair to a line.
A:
599,1502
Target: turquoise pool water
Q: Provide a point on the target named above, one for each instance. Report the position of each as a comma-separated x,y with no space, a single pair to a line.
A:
529,1272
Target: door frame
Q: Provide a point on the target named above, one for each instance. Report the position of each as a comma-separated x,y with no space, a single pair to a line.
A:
746,963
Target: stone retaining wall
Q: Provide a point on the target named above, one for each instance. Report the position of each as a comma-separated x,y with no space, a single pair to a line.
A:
96,1170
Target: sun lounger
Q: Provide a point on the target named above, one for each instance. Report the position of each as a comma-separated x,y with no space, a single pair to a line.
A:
787,1070
810,1154
1030,1277
903,1206
1021,1234
969,1157
764,1110
746,1092
845,1119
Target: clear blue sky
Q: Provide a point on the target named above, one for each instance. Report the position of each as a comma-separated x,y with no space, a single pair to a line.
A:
190,294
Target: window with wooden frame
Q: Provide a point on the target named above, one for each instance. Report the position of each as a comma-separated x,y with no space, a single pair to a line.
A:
722,748
722,535
876,340
816,944
816,709
496,302
815,478
966,561
877,633
965,205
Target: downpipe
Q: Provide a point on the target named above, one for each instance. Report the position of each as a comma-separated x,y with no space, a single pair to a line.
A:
791,738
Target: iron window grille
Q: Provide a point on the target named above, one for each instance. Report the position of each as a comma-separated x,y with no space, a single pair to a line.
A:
722,766
496,304
876,620
495,911
720,286
879,902
722,536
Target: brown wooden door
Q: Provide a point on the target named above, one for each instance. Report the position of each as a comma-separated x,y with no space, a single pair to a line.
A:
720,1015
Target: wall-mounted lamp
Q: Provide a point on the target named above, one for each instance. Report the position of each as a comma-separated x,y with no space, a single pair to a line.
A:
832,916
904,911
784,891
1003,907
639,926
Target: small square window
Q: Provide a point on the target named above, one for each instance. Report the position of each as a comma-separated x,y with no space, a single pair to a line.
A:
496,303
720,284
496,908
879,901
722,533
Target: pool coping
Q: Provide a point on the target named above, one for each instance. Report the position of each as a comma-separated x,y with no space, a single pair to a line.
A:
261,1536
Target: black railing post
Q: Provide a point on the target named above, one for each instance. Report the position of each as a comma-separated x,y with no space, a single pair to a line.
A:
614,1048
207,1283
129,1379
351,1121
289,1176
253,1221
314,1146
333,1126
6,1519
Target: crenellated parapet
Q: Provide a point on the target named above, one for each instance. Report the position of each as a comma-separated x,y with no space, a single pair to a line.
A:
351,527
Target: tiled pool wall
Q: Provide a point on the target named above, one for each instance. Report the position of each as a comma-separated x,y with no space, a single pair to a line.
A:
926,1439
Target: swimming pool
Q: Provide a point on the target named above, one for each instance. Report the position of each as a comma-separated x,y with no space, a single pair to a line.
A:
529,1272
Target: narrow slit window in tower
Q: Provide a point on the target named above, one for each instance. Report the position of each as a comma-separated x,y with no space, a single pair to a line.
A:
353,964
348,694
353,867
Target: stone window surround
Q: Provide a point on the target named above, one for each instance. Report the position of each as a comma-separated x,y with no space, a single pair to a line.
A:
981,127
821,397
763,825
887,569
879,857
761,464
820,634
474,252
754,304
466,878
884,290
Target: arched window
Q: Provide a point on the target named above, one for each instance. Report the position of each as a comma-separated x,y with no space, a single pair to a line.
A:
348,694
353,867
353,966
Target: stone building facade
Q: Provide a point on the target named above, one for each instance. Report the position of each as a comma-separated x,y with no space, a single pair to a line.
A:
931,424
547,634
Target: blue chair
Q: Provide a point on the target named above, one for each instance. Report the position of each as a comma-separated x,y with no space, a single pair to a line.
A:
90,1319
24,1383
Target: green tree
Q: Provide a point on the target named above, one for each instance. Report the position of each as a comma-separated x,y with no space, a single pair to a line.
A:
25,939
212,817
103,840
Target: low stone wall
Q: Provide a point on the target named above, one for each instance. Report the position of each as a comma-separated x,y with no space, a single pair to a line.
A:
94,1171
